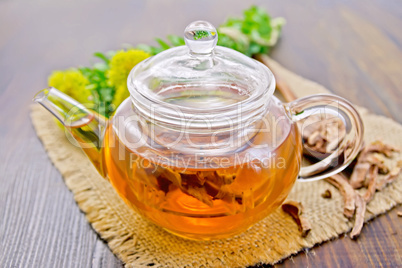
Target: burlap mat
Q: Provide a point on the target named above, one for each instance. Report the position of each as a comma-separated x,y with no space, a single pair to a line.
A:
139,243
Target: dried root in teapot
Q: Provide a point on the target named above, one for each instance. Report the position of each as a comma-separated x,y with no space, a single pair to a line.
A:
202,185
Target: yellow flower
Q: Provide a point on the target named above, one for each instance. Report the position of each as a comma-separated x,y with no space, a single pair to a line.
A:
120,95
120,66
73,83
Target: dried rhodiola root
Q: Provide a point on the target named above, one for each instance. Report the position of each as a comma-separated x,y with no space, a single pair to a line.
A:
322,135
327,194
205,186
359,217
372,183
370,163
295,209
391,176
202,185
354,202
347,191
359,175
371,155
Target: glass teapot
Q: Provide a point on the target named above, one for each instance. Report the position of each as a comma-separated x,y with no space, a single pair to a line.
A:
202,148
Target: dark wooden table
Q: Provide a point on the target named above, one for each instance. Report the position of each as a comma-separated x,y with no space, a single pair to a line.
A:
353,48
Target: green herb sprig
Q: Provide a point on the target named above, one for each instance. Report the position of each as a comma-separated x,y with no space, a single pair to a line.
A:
255,33
101,90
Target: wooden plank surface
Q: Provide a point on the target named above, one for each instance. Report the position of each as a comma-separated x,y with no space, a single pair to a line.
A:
354,48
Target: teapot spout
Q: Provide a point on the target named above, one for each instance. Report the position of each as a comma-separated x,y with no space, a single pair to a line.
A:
86,126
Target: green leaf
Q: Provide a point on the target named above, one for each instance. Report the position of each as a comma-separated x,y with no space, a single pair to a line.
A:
150,49
201,34
144,47
110,53
176,40
162,43
106,94
102,57
101,66
256,26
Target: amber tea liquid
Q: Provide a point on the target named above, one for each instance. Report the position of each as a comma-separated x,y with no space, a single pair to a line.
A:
203,203
234,189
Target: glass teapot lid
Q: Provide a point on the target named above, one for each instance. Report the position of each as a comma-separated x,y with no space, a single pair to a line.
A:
201,76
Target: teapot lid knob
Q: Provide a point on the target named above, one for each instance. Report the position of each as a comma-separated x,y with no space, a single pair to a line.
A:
200,37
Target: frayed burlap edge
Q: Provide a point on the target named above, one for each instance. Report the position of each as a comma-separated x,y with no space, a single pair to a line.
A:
139,243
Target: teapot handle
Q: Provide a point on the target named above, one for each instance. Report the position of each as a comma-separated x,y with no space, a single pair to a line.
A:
328,106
